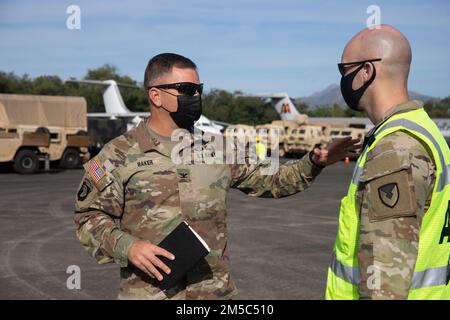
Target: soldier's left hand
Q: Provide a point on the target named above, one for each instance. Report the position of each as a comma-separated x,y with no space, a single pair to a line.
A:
335,151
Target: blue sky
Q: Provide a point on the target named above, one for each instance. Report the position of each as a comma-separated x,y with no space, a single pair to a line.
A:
255,46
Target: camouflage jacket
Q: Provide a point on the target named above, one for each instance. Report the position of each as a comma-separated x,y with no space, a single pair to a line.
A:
389,232
133,190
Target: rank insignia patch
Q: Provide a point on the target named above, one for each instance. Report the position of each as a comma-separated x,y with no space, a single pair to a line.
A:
183,175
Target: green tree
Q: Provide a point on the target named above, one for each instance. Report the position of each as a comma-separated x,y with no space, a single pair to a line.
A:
218,104
438,109
11,83
134,98
333,111
302,107
48,85
235,107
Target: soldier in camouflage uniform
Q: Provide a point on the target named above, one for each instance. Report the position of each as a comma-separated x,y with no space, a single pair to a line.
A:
389,234
390,213
135,181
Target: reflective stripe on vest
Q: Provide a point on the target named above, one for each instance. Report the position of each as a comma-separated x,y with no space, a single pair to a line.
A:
444,179
427,278
430,277
344,272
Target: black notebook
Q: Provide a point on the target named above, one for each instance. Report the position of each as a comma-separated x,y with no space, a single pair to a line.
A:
187,247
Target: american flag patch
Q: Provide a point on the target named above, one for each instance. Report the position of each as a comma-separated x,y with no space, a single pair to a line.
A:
96,171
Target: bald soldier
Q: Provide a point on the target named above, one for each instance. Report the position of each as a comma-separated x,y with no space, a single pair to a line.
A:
393,238
135,181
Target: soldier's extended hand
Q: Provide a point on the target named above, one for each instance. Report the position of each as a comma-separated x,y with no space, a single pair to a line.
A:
143,255
335,150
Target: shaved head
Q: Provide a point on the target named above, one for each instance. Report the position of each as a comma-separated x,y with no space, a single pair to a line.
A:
386,43
376,86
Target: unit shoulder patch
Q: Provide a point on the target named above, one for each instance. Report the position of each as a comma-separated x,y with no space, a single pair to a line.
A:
85,190
389,194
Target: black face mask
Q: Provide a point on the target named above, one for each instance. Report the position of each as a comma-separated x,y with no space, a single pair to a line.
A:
351,96
189,110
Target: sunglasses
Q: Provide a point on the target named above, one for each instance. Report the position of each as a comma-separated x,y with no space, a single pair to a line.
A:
342,66
184,88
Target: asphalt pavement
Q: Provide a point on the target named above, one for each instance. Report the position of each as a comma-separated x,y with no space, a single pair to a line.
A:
279,248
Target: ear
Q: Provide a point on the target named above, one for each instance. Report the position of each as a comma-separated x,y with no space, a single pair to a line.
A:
154,97
368,71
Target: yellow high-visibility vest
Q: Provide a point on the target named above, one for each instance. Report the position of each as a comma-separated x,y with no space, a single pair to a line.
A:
261,150
432,269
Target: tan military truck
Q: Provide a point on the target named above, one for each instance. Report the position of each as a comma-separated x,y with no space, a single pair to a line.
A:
342,132
299,136
35,128
286,126
243,131
333,132
266,132
303,138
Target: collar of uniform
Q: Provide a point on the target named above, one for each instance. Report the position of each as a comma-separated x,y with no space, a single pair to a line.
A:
147,141
402,107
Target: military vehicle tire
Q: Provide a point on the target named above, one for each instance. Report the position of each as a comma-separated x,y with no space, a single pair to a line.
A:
26,161
70,159
42,130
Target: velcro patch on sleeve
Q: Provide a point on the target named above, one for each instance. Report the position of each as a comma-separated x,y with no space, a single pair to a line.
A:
96,170
391,196
383,164
84,190
99,172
